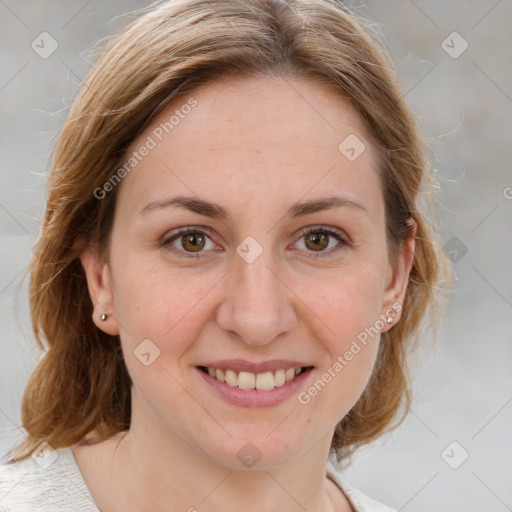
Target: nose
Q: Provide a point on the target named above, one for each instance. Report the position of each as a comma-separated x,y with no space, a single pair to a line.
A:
258,306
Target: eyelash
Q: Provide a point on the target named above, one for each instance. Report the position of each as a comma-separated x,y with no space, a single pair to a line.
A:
338,235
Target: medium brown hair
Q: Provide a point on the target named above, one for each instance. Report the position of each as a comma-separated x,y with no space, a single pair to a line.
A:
81,383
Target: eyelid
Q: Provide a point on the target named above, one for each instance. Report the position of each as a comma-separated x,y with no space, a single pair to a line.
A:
340,235
343,239
327,229
177,233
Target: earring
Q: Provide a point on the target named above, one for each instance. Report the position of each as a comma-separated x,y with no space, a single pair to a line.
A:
389,319
103,317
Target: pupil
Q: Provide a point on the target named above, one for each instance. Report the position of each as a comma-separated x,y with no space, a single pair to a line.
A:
317,239
193,239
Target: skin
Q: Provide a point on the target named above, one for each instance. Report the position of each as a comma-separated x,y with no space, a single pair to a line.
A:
254,146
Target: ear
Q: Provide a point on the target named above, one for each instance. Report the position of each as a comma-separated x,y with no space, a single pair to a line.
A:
394,295
99,283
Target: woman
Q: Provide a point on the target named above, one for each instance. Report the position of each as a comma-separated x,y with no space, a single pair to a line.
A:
231,267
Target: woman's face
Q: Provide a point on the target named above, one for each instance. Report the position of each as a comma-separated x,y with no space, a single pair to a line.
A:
247,167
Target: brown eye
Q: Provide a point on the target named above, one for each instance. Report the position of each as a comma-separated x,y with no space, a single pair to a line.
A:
188,242
193,242
317,241
323,242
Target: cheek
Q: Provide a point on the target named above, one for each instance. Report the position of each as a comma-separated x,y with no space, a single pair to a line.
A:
350,332
153,303
162,315
349,304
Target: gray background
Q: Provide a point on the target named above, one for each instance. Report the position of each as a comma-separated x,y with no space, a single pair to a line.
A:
462,383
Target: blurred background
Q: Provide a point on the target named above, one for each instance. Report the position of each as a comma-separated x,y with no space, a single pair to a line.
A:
453,452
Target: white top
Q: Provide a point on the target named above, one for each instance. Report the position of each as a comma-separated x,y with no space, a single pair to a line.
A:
53,483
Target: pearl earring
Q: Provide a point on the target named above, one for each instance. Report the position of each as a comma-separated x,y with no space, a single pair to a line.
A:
389,319
103,317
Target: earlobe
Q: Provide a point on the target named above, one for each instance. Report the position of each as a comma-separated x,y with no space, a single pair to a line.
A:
394,294
99,283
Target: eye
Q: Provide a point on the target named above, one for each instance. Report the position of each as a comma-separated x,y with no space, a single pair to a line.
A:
322,240
192,242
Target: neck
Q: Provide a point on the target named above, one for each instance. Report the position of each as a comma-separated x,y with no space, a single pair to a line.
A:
147,468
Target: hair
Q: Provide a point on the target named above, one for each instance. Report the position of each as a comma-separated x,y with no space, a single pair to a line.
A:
81,382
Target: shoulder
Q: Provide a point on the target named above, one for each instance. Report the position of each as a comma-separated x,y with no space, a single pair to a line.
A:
359,501
49,483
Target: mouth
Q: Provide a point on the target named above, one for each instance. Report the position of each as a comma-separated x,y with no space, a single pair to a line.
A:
269,384
260,381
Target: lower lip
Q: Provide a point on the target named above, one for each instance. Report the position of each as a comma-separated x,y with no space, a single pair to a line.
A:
256,397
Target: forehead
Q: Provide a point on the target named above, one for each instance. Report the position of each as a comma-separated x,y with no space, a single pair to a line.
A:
243,137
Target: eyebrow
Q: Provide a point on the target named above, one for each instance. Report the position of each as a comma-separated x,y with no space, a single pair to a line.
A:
215,211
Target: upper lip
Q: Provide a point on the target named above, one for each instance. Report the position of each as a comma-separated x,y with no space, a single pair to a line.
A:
241,365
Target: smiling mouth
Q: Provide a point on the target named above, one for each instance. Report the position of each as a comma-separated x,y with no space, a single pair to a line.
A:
260,381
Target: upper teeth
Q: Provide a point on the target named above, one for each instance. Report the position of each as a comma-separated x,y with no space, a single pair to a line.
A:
248,380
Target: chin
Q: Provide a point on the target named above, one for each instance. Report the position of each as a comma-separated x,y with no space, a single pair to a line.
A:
258,452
